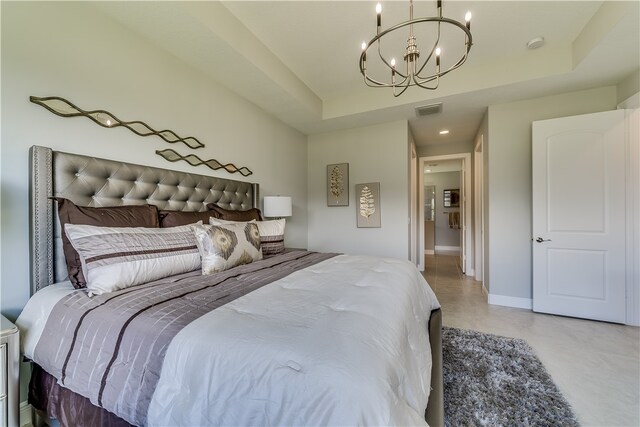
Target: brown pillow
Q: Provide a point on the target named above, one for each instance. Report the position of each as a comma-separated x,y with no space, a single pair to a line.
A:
225,214
176,218
116,216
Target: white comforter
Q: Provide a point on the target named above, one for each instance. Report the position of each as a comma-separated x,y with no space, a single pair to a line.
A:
344,342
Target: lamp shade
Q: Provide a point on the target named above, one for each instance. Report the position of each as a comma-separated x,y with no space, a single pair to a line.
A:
277,206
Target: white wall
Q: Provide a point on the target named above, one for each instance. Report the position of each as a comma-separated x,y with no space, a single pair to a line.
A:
509,182
375,154
71,50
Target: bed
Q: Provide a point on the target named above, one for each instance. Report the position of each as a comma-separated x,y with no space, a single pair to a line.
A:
299,338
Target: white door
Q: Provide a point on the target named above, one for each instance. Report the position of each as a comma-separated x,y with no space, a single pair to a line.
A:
579,216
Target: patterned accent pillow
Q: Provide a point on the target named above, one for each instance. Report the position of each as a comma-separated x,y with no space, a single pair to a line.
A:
115,258
226,246
271,234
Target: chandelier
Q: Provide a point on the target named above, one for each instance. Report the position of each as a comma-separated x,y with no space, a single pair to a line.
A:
415,72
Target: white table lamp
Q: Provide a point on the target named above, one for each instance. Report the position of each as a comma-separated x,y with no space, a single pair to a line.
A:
277,206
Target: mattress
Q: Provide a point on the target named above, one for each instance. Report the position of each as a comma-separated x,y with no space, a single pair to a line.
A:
298,339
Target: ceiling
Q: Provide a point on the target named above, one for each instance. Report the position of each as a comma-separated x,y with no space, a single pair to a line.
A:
298,60
443,166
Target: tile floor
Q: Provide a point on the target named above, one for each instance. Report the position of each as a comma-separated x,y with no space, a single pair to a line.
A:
595,364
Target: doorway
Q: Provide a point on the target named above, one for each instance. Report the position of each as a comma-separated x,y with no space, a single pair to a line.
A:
445,206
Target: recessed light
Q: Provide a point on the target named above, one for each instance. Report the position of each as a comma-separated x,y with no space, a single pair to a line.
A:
427,170
444,131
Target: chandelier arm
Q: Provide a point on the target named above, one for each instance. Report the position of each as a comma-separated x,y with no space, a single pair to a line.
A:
376,83
385,61
435,76
401,92
435,45
422,85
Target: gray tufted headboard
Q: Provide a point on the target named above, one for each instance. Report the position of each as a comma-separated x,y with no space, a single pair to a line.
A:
88,181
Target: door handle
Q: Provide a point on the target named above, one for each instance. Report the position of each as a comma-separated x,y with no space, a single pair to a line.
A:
540,240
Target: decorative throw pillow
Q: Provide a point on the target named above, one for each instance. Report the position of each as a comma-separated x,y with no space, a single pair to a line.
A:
114,216
115,258
229,215
226,246
271,234
176,218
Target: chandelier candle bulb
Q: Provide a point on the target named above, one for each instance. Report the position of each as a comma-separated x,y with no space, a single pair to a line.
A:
467,18
379,16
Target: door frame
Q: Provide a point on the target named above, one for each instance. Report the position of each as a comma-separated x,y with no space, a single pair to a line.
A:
465,194
478,205
413,204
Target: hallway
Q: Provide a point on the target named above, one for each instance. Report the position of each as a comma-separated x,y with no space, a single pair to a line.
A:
595,364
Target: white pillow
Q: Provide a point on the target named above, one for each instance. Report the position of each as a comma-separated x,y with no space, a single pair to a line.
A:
226,246
115,258
271,233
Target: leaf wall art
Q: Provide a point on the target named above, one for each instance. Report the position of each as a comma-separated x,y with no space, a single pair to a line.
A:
338,184
368,205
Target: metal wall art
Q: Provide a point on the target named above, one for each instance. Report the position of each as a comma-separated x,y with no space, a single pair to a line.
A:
64,108
368,205
193,160
338,184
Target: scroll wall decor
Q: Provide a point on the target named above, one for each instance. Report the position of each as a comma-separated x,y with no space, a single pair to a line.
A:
63,108
193,160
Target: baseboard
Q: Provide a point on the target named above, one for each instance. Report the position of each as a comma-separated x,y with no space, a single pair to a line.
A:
485,292
510,301
429,252
25,414
448,248
471,273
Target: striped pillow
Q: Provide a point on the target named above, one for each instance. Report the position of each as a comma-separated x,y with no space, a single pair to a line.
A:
115,258
271,236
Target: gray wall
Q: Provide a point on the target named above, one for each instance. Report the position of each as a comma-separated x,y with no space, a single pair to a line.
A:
69,49
445,236
509,181
375,154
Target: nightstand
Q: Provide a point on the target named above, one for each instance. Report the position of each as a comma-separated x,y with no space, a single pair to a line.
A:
9,374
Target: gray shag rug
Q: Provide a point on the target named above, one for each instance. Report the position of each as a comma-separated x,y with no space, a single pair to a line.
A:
496,381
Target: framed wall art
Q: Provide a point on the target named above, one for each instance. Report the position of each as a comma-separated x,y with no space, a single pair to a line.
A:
368,205
338,184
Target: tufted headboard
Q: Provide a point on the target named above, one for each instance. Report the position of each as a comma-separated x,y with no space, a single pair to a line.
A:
88,181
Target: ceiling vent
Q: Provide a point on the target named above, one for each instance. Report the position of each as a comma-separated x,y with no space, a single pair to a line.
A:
427,110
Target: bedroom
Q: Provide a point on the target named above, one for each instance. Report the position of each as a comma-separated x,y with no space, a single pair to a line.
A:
114,57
